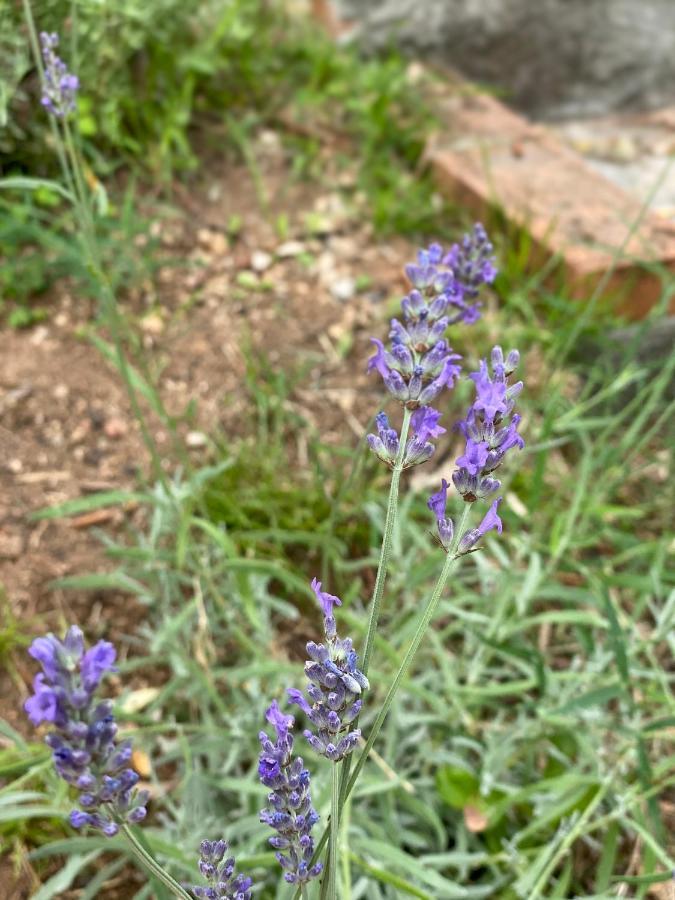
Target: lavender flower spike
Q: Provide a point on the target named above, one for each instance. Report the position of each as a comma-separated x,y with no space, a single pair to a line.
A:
85,752
223,884
334,689
61,86
473,265
289,811
488,431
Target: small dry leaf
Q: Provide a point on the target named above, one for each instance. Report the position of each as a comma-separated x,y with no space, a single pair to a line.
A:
140,761
138,699
474,819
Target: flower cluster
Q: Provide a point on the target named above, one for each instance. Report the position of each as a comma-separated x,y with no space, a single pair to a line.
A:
335,687
60,86
489,435
473,265
290,812
421,363
424,425
223,884
85,751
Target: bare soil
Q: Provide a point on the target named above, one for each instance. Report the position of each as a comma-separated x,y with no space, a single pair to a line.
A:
301,301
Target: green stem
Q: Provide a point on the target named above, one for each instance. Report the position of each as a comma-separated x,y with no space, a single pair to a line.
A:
305,895
450,561
387,541
110,311
150,863
332,858
381,576
424,623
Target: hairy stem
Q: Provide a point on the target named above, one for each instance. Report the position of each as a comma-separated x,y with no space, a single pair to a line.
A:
428,614
151,865
109,304
332,858
381,576
387,540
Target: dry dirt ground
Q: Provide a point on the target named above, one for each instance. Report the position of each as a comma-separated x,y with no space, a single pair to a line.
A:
307,299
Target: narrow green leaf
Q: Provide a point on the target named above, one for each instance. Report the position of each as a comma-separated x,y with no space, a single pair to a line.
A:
88,504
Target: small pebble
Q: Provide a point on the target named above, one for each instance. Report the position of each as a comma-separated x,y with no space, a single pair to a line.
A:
115,428
289,249
260,261
343,289
196,439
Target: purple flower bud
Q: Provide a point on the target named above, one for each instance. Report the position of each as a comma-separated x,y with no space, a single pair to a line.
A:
335,686
326,601
223,883
437,503
96,662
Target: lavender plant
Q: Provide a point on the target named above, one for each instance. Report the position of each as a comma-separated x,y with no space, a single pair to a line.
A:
82,738
60,89
60,86
416,369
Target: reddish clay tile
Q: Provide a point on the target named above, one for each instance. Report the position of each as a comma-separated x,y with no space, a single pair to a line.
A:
489,156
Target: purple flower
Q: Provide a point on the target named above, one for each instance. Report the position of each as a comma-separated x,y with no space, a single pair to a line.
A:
223,883
380,360
474,457
44,651
82,740
96,662
437,504
281,723
490,520
334,688
43,706
326,601
60,86
424,423
289,808
489,436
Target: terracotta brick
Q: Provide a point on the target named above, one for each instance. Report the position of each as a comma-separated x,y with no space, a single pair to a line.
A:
489,156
